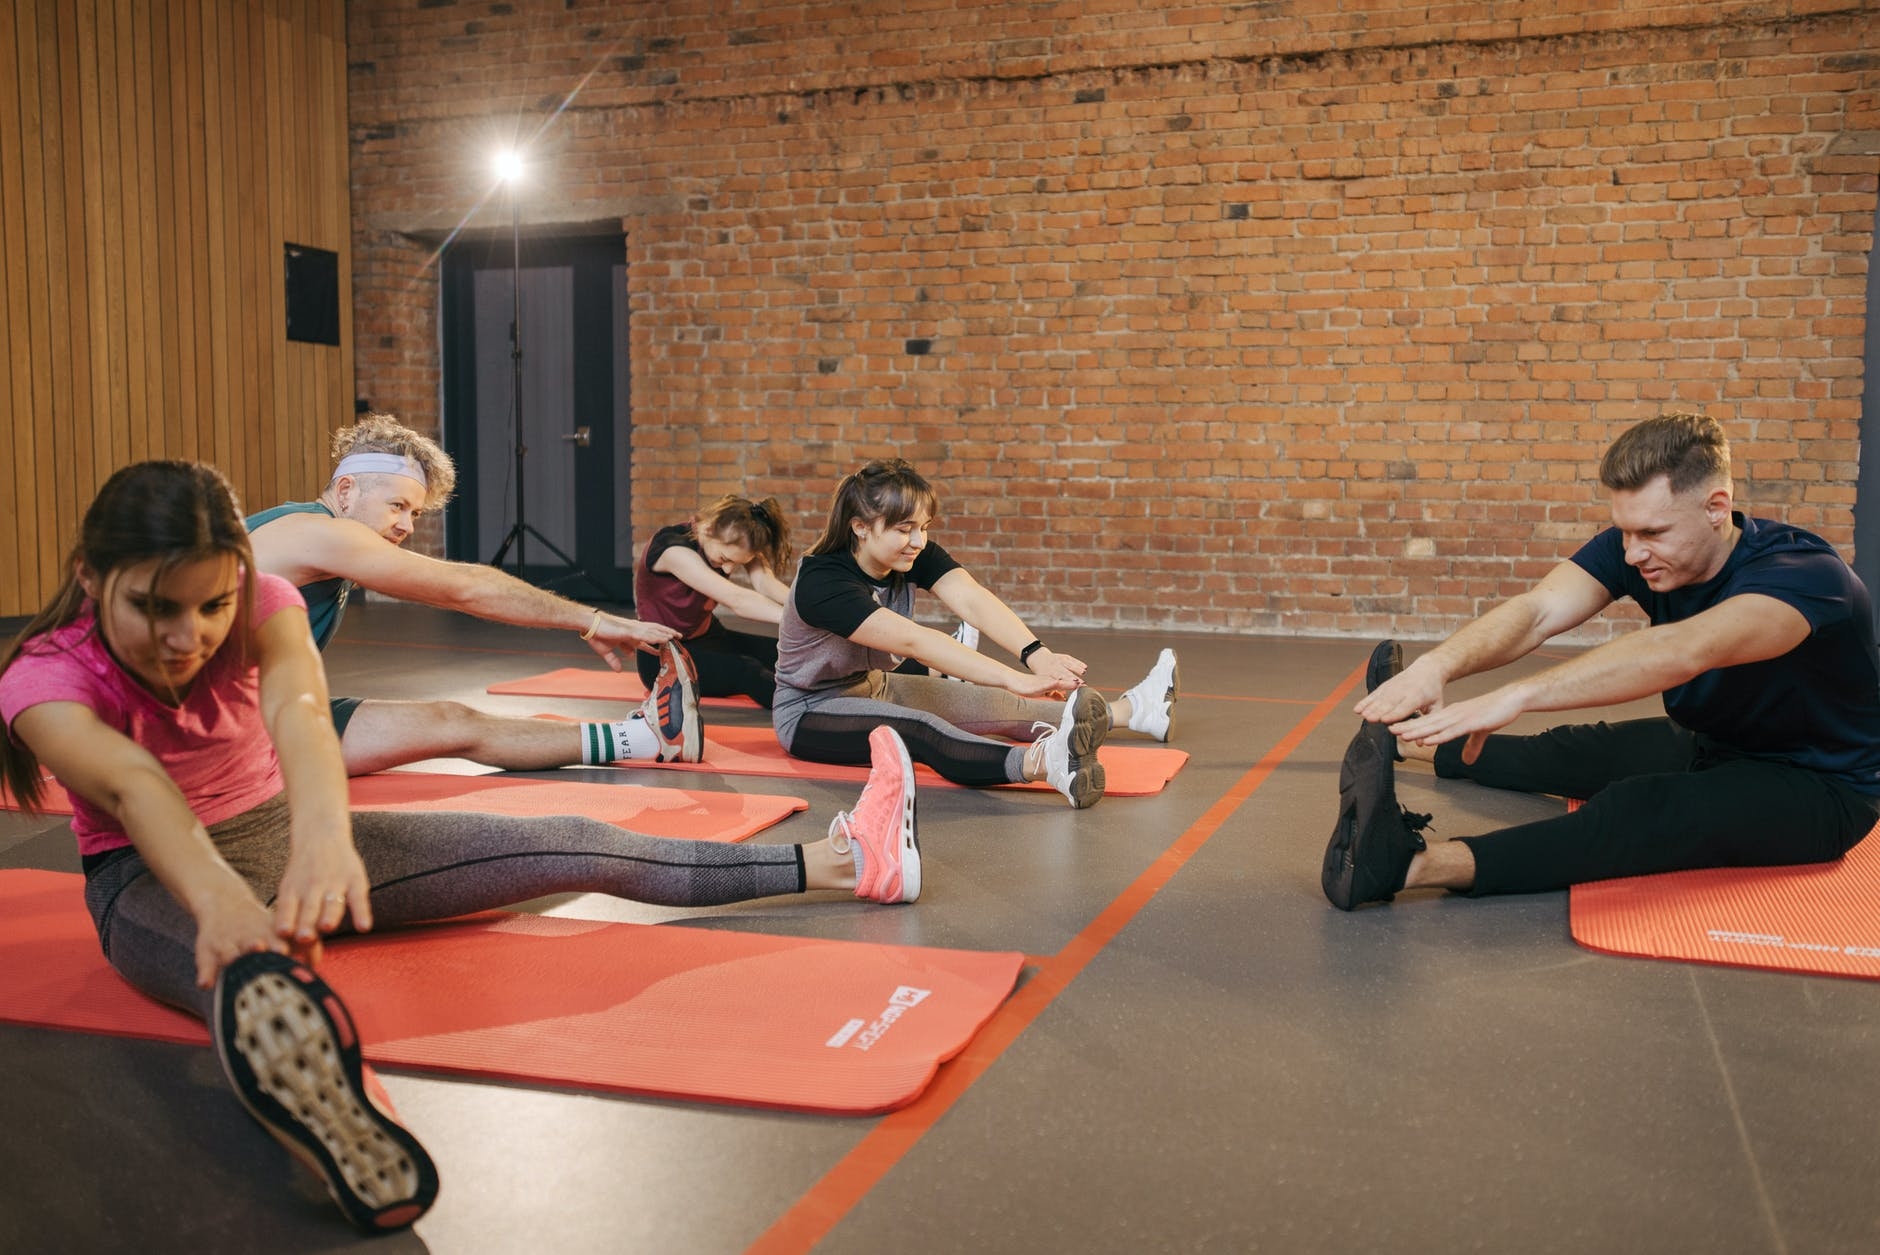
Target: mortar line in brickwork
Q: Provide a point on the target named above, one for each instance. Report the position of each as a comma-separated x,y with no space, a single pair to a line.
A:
850,1179
807,98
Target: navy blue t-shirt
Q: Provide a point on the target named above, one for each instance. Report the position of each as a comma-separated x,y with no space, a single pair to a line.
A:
1817,706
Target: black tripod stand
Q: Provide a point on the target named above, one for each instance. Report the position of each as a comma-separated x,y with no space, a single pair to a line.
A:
518,533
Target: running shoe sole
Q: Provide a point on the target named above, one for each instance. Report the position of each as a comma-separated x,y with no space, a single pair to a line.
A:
677,675
290,1051
1174,687
1386,661
1374,838
1090,722
910,814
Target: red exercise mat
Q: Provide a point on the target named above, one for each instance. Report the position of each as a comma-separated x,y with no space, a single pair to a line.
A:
597,686
699,816
834,1027
1818,918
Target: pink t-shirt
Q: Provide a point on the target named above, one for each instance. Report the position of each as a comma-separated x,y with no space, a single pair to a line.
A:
214,746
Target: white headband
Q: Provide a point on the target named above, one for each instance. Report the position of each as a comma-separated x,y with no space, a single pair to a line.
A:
383,464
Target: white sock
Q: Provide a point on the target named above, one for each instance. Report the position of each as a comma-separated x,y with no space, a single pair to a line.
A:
619,741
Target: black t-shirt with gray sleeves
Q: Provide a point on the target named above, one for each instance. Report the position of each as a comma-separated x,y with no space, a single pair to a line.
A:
831,598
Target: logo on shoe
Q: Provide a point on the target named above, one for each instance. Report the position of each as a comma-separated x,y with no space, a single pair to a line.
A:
904,999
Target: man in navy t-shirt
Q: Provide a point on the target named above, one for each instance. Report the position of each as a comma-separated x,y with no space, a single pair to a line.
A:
1761,643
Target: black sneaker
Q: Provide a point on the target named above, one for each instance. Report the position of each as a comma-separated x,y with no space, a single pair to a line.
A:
1375,838
1386,661
289,1049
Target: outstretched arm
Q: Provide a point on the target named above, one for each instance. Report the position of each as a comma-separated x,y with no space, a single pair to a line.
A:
892,633
1566,598
324,877
981,607
313,547
1746,628
694,572
120,777
767,582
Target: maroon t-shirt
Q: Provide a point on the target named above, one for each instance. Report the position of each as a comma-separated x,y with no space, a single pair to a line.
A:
667,599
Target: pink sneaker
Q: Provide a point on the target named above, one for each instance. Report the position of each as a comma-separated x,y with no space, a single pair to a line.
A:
882,824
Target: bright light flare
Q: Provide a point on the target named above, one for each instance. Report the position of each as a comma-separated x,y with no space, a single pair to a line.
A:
508,166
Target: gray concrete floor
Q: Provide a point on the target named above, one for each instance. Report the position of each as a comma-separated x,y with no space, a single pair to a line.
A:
1236,1067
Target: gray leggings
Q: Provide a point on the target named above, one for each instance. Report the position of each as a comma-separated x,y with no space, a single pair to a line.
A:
946,724
423,866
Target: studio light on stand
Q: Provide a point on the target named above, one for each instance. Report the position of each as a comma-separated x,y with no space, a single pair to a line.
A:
509,171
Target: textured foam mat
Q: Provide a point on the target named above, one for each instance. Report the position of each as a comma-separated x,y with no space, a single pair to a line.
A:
1129,770
831,1027
698,815
1821,918
596,685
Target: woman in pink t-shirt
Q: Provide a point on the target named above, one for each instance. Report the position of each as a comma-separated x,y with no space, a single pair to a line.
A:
179,698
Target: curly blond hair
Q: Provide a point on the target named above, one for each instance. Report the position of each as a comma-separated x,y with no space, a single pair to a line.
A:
383,433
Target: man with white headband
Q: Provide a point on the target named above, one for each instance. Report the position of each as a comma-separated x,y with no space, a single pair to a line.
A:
385,476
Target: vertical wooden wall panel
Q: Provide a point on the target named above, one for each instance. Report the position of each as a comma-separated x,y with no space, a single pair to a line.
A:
147,363
65,262
185,230
15,384
30,342
155,157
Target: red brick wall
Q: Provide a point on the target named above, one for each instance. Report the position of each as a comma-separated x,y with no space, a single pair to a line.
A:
1301,318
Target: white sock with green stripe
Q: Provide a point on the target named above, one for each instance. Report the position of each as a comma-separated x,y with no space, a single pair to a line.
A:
618,741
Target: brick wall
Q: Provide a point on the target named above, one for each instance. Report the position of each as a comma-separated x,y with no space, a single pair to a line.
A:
1307,317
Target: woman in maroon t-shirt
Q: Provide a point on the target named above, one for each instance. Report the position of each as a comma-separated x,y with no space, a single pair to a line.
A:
686,571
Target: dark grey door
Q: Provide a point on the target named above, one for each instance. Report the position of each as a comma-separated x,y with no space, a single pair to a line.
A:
565,341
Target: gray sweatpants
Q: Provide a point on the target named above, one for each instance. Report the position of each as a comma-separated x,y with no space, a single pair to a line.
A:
424,866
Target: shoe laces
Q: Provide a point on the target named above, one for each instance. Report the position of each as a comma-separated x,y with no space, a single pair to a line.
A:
1416,822
842,833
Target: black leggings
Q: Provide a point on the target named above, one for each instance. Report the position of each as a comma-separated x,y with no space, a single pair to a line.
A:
940,720
1658,798
729,664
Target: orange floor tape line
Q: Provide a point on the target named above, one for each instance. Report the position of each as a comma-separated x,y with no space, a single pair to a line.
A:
831,1027
1817,918
697,815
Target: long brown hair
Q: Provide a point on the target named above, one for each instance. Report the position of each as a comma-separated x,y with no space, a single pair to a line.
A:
172,512
757,525
888,491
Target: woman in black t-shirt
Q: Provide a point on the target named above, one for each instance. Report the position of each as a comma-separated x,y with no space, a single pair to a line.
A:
687,570
847,634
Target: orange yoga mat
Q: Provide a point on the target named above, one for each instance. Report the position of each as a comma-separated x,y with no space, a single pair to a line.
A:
834,1027
699,816
1130,770
1818,918
596,685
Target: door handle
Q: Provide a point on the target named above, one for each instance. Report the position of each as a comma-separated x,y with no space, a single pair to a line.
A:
579,436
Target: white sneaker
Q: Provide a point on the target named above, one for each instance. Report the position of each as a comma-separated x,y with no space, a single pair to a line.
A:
1152,701
967,635
1070,749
